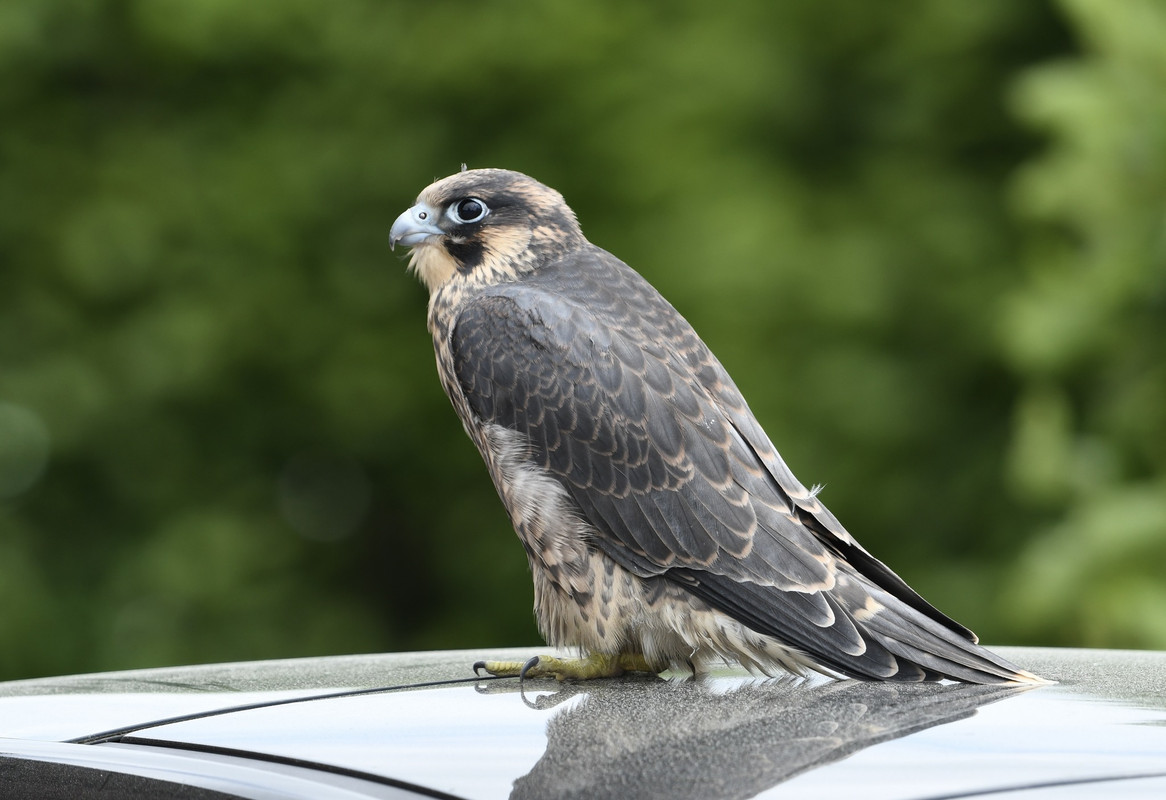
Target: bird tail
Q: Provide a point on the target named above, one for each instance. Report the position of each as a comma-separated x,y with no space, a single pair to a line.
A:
923,647
858,629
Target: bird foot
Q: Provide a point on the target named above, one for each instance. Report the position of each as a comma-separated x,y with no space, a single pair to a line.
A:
595,665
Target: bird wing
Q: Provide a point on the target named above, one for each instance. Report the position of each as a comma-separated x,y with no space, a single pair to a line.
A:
621,401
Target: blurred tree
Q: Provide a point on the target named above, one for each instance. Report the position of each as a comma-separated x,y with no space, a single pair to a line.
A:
221,435
1087,332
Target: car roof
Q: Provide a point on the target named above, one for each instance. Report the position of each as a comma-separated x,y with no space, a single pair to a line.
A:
422,720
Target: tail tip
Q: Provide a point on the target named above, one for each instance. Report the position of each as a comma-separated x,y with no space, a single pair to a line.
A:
1023,676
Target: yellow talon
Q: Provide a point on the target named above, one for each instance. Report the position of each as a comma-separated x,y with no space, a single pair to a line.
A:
595,665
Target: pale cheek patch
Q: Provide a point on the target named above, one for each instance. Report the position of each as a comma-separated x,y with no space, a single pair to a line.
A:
507,245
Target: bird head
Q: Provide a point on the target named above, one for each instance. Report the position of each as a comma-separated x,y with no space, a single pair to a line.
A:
491,224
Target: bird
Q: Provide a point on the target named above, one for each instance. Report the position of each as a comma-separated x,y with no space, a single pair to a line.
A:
662,528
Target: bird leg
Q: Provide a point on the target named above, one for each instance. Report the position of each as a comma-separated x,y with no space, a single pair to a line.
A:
594,665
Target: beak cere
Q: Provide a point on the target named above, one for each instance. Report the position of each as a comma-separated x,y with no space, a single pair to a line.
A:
414,227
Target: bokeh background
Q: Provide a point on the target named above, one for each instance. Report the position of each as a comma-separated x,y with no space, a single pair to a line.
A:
928,239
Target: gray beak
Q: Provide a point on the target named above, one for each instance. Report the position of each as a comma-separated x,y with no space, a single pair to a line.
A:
414,227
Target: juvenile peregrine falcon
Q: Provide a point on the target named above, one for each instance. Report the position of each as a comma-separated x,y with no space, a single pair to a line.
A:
662,527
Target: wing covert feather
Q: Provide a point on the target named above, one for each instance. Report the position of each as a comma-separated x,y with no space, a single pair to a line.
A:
656,478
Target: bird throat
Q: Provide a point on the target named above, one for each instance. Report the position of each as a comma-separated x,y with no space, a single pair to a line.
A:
433,264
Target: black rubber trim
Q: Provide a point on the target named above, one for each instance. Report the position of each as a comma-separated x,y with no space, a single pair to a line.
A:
1028,787
117,733
248,755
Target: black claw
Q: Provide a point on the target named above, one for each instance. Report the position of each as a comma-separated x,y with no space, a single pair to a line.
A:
477,666
531,663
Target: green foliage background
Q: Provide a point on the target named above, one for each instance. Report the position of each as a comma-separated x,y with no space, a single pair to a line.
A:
928,240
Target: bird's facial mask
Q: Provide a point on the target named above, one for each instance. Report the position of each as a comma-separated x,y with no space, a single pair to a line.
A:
485,225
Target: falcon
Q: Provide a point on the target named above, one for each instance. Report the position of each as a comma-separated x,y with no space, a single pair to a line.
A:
662,528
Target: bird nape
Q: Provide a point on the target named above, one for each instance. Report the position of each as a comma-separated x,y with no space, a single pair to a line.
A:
662,527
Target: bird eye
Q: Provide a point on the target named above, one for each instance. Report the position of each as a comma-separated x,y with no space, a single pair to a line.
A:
468,210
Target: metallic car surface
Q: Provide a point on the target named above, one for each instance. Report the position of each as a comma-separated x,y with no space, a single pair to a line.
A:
400,724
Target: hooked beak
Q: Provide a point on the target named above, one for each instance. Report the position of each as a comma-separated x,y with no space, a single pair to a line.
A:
414,227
